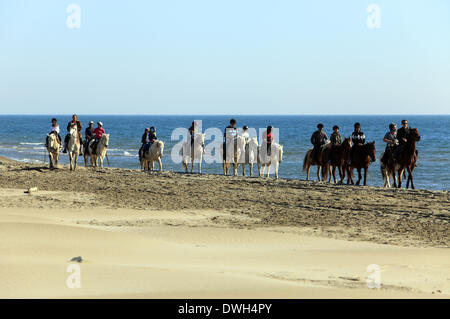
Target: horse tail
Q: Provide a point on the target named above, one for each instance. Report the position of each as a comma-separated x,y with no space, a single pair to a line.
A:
324,172
305,160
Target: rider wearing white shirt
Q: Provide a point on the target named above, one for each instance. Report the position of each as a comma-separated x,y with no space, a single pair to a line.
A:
54,129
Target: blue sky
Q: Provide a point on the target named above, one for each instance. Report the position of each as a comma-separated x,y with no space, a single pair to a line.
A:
225,57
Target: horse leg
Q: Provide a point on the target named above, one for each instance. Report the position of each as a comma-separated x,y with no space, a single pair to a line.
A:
160,164
359,176
410,177
192,166
365,175
307,171
251,169
333,171
200,166
276,170
400,173
50,161
101,161
243,169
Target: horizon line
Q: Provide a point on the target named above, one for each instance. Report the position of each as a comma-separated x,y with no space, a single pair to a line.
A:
223,114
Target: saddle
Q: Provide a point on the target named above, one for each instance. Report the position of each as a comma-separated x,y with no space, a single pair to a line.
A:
146,147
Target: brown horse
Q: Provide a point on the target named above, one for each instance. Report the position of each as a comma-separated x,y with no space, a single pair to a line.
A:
361,157
321,162
338,156
406,158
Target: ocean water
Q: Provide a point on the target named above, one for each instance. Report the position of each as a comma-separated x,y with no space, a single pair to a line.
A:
22,138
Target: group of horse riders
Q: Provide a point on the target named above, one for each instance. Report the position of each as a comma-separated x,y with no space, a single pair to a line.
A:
230,133
91,134
394,140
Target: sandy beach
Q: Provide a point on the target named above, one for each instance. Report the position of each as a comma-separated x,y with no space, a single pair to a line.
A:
175,235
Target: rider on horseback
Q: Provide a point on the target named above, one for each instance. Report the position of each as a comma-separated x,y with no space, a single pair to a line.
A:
230,133
336,138
98,133
390,138
403,133
147,140
245,134
54,129
193,129
89,136
358,139
402,136
79,128
268,137
318,139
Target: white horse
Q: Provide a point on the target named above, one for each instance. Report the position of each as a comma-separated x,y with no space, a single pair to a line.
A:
251,156
100,151
233,155
53,149
154,154
73,146
190,153
265,161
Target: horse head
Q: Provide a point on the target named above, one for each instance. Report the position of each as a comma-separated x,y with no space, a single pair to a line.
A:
53,142
160,145
414,134
105,140
372,151
200,138
73,129
347,143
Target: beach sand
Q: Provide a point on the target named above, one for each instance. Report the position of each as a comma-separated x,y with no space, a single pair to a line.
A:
173,235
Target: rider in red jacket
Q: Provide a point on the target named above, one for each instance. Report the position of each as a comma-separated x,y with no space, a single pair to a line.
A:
98,131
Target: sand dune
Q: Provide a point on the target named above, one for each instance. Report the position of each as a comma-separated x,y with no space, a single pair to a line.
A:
179,236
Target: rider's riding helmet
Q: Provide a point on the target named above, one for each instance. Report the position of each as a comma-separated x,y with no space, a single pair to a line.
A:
335,127
245,127
232,121
152,129
320,125
357,125
91,122
392,125
54,120
100,123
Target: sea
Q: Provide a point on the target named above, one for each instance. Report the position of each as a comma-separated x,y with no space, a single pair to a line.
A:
22,138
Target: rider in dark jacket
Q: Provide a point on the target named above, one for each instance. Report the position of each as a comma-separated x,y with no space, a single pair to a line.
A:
358,137
336,138
403,133
89,135
318,139
79,127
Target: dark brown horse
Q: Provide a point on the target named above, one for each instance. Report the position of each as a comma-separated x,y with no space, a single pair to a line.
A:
361,157
406,158
338,156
